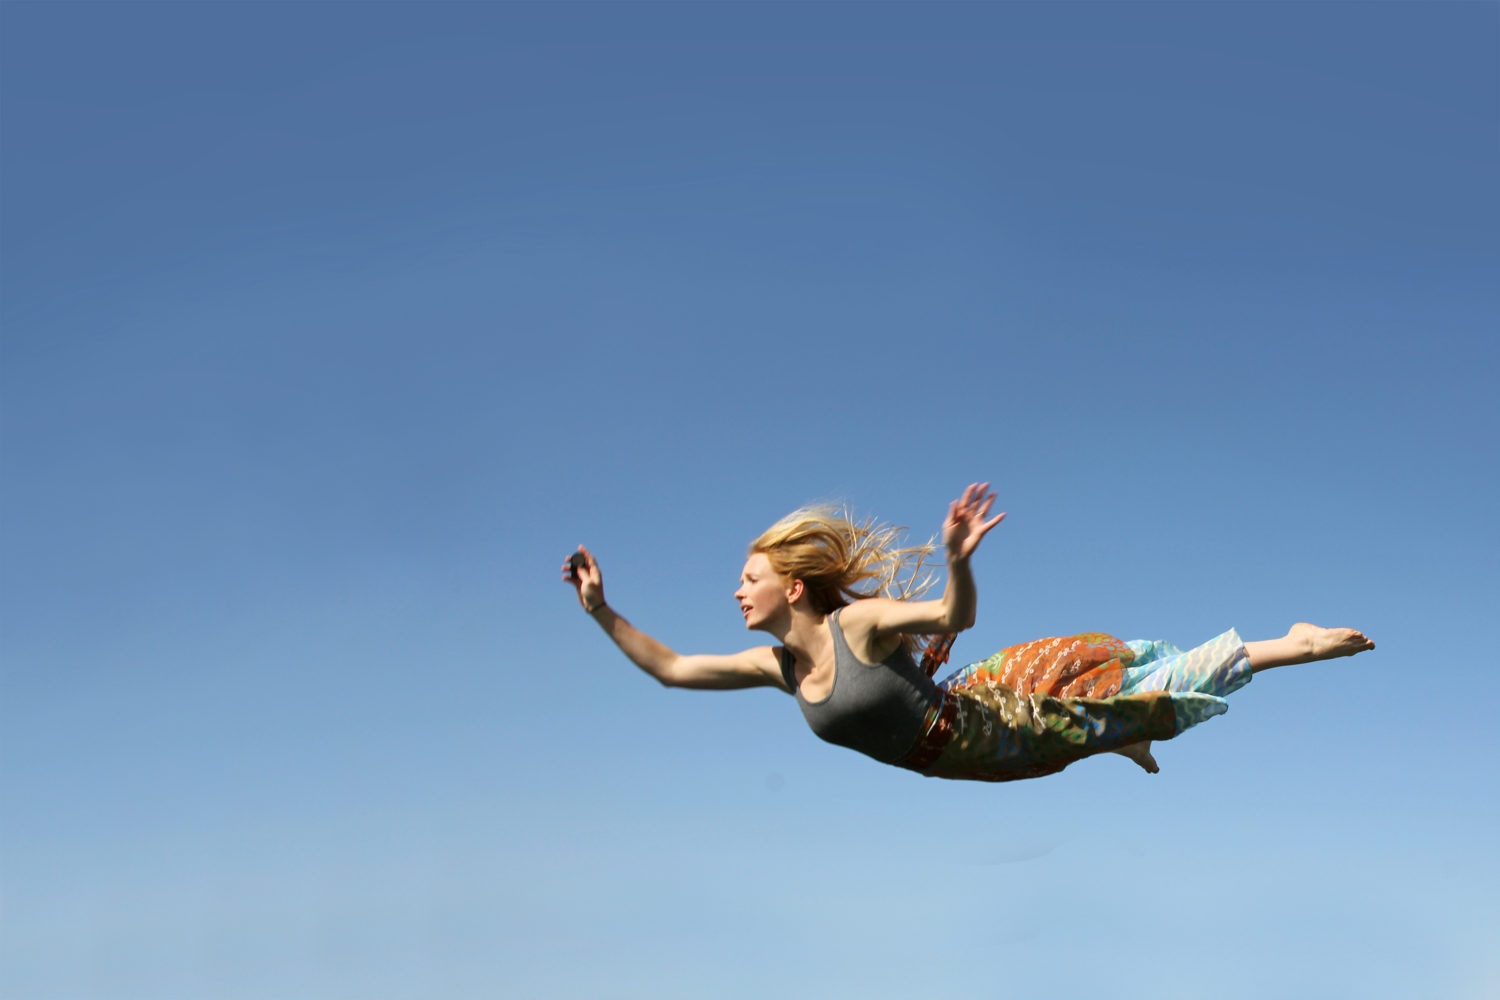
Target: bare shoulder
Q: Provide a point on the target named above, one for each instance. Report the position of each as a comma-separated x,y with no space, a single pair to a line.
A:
766,661
883,615
765,658
861,624
864,613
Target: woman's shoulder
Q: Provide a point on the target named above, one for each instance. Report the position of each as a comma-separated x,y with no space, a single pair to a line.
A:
858,622
864,613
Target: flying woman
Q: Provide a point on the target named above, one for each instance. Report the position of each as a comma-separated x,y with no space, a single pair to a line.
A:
830,591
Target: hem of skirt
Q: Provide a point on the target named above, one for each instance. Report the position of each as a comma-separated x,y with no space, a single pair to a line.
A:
1190,708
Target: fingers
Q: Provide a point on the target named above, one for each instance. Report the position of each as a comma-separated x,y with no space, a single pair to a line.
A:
581,569
586,568
984,529
967,525
976,501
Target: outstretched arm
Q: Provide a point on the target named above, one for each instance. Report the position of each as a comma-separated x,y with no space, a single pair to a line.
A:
752,668
967,523
963,530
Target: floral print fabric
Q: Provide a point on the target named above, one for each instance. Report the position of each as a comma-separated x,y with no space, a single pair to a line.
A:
1033,709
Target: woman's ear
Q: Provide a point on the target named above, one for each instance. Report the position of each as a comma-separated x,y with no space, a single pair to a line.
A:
795,591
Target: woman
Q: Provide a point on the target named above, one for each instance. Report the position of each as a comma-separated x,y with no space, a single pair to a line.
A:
829,591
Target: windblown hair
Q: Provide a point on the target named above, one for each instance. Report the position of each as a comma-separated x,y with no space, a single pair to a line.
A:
841,560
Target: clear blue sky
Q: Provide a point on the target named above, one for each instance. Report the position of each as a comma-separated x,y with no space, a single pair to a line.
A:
329,329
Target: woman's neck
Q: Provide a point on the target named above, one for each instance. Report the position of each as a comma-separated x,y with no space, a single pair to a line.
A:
806,635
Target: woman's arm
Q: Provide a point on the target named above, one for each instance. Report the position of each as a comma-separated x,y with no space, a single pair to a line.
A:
752,668
963,530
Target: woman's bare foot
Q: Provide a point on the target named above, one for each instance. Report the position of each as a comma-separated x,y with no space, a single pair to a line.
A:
1141,754
1328,643
1304,643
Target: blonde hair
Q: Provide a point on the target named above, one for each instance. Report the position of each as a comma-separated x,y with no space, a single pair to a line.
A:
840,560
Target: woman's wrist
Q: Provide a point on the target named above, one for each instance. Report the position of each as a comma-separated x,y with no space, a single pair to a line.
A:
597,607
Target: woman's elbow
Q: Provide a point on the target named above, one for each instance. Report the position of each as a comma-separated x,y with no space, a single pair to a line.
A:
960,622
672,674
958,615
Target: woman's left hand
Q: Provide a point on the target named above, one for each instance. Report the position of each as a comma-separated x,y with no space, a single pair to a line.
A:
966,526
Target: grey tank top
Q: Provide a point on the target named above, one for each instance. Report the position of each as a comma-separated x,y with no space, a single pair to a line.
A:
878,709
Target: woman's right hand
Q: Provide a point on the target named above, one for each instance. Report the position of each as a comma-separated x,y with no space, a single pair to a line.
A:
586,579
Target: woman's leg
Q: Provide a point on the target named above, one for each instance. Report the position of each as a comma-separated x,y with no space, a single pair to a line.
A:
1305,643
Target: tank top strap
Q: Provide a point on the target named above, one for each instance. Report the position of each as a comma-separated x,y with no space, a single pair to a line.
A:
788,675
840,644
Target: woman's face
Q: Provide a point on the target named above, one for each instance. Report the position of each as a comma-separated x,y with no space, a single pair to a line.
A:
762,594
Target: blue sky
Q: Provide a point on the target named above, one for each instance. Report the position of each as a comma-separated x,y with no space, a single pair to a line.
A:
329,329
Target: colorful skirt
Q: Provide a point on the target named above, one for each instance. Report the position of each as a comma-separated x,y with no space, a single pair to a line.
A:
1033,709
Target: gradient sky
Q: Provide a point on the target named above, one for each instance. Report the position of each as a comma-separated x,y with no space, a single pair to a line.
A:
330,328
